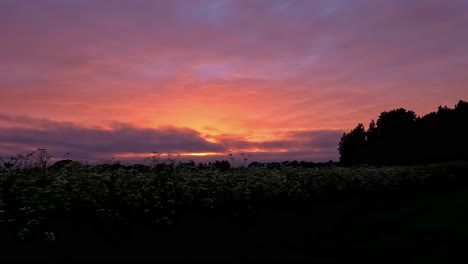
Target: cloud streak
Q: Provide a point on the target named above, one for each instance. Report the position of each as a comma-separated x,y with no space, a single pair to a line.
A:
92,143
246,71
125,141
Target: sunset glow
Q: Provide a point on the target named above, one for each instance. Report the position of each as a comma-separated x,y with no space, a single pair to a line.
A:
280,80
165,155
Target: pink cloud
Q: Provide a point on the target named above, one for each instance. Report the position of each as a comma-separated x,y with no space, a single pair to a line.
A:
250,69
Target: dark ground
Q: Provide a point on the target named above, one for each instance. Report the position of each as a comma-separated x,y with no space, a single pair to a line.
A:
429,228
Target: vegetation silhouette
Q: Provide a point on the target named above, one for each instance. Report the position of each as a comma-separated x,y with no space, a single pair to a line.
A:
170,210
399,137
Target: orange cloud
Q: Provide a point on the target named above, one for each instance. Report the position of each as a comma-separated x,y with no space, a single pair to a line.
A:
241,74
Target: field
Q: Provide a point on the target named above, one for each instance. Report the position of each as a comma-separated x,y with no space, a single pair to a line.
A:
75,211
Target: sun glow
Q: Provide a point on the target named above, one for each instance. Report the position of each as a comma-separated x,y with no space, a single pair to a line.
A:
202,154
199,154
166,155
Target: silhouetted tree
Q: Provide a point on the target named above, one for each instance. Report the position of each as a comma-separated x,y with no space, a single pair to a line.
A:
222,165
253,164
399,137
372,137
352,146
395,136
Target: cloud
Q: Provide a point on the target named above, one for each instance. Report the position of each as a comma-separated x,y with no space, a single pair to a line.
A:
319,145
20,134
245,69
93,143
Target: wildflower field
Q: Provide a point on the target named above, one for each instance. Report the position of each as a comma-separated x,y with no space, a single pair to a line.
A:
78,211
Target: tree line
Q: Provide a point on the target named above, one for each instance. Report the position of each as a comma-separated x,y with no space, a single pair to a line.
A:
399,137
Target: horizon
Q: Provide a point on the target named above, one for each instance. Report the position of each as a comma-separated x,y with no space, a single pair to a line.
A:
276,80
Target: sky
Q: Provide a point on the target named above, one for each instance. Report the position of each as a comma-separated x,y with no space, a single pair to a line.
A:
274,80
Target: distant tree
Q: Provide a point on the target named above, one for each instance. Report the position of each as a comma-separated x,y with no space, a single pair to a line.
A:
372,137
352,146
222,165
395,130
253,164
461,112
62,163
399,137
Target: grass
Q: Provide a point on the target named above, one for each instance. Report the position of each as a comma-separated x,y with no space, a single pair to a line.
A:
83,212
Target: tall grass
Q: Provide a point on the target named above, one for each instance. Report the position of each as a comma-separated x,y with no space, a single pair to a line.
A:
33,195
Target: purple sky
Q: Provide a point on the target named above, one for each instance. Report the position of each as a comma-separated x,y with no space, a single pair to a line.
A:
276,79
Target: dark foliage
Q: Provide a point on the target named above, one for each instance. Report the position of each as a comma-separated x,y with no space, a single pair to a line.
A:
73,211
222,165
400,137
294,164
169,212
